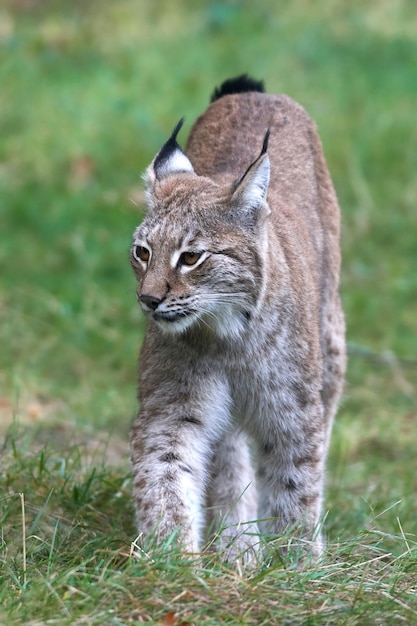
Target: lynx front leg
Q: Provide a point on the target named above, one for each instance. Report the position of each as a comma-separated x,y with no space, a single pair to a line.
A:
170,454
168,479
290,477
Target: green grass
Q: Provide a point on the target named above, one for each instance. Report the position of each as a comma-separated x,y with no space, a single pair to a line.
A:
89,91
69,560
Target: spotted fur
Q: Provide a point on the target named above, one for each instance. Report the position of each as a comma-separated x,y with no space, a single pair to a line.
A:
237,264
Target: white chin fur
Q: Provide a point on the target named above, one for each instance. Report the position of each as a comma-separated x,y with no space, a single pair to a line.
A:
177,326
226,321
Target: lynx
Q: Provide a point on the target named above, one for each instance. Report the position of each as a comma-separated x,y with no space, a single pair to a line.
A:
237,265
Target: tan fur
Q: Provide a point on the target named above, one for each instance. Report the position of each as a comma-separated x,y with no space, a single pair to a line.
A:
249,341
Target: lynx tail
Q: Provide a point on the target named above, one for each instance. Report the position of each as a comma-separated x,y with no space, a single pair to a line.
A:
239,84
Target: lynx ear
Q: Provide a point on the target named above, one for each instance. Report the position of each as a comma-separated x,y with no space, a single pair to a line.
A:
251,189
169,160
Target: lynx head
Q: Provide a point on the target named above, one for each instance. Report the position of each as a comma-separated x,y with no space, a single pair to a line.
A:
199,254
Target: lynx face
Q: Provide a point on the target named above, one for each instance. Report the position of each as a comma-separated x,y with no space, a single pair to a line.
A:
198,256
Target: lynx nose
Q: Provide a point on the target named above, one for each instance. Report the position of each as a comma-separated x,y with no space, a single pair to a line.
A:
150,301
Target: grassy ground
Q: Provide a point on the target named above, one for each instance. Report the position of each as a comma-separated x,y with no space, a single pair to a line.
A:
89,92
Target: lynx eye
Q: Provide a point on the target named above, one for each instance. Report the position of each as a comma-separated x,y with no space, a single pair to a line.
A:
189,258
141,253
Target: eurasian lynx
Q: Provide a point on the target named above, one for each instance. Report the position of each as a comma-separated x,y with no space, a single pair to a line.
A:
237,263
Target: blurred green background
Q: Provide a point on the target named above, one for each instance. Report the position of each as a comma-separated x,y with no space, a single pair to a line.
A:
91,89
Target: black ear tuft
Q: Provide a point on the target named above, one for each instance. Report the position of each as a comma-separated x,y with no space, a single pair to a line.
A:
263,151
265,143
168,148
177,129
240,84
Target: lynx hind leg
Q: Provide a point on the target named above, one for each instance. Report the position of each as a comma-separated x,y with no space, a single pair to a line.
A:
232,500
334,360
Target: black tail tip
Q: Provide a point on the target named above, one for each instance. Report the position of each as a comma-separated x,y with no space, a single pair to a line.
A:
240,84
